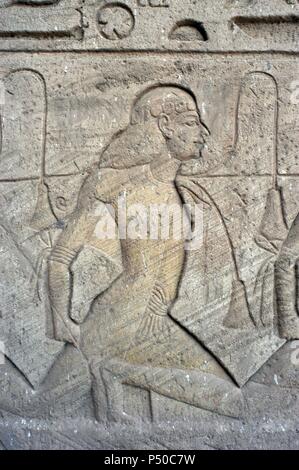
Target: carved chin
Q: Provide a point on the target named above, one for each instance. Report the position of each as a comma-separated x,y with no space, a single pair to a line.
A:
197,154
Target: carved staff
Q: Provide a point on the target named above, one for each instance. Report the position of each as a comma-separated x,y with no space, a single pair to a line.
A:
239,315
43,217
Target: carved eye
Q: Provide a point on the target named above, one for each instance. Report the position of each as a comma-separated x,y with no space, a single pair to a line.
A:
192,123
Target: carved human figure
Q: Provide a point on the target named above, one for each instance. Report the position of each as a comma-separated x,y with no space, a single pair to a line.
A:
286,285
142,164
129,330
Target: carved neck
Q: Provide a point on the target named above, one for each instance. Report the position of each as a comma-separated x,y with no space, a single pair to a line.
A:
165,169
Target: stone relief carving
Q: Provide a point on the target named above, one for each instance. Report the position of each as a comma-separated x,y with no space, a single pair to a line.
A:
136,308
116,21
23,318
29,2
138,292
188,31
39,20
117,299
154,3
286,271
98,301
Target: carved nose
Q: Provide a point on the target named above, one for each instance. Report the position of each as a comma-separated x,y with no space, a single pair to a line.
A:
204,131
201,138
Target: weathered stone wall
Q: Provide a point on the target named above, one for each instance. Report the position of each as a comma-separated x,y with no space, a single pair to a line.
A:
133,340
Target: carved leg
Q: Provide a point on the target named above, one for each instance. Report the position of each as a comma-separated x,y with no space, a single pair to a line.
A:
116,401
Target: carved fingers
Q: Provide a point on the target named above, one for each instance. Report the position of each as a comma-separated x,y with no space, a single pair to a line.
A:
156,322
153,326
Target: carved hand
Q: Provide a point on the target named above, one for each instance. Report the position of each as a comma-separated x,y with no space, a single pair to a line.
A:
154,326
156,321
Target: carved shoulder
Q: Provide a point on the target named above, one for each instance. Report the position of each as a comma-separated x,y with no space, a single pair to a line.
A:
99,185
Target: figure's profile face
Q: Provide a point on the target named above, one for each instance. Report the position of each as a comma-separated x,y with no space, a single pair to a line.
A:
176,115
188,136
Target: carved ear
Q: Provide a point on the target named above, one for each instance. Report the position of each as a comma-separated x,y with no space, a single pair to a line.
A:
164,126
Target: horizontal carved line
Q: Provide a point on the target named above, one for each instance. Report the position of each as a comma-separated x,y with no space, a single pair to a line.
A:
245,175
288,175
20,179
262,20
36,178
194,53
34,4
74,33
